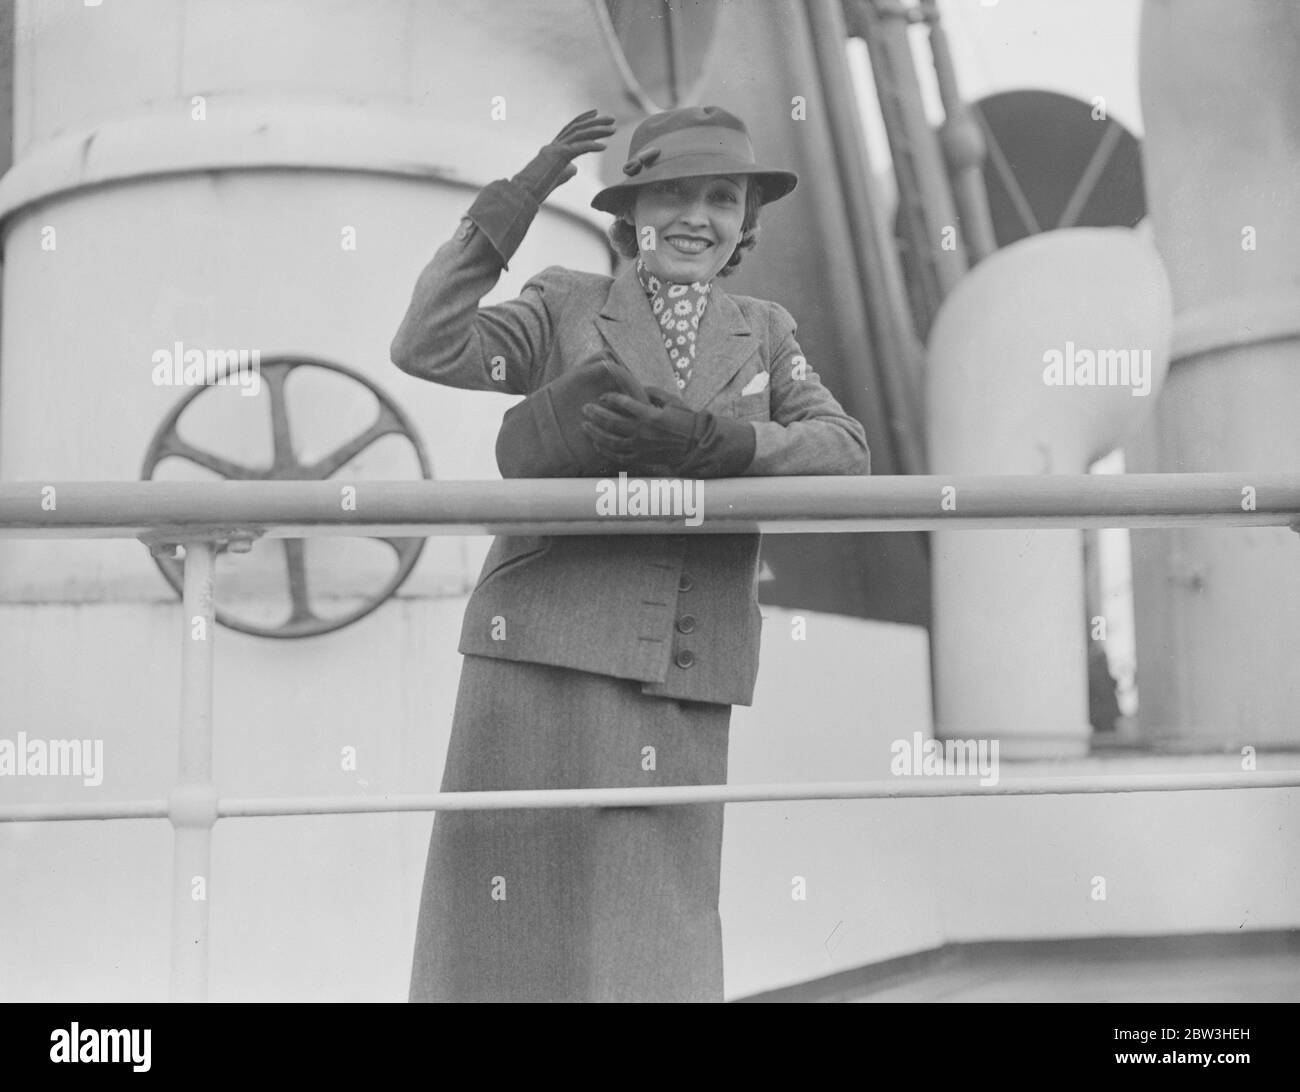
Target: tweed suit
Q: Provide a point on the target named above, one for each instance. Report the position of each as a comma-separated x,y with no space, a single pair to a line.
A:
653,631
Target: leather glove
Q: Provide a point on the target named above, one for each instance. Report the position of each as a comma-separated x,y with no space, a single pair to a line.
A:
553,165
541,436
667,436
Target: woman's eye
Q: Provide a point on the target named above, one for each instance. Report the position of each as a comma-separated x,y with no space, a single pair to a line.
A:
724,196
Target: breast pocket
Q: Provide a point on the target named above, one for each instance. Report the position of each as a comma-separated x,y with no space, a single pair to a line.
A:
749,396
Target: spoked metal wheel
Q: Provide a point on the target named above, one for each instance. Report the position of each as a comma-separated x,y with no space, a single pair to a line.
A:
303,618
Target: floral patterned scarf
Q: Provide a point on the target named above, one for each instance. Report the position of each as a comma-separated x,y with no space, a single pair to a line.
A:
678,309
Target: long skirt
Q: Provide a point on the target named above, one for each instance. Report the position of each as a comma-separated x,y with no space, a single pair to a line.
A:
573,904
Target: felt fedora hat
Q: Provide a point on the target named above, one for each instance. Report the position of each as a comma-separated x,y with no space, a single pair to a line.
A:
687,143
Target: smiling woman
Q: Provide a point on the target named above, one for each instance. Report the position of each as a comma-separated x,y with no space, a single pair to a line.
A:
602,661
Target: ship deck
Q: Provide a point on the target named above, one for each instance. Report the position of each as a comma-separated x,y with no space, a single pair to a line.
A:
1255,967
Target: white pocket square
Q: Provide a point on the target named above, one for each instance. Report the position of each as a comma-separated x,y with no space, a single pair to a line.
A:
757,384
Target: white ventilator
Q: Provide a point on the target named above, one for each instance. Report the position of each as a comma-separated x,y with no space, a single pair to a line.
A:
1040,361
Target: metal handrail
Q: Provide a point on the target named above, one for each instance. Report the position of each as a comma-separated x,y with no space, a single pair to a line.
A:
564,506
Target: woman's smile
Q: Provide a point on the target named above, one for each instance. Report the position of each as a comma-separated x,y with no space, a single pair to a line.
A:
688,244
694,225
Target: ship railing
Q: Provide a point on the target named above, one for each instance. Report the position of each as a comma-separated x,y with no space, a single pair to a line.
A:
201,517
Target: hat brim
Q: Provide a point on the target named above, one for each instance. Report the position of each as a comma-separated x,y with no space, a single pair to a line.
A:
774,184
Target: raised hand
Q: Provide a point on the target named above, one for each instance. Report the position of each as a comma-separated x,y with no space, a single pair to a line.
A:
553,165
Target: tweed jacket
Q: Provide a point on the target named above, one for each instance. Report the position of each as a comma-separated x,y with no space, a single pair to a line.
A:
678,613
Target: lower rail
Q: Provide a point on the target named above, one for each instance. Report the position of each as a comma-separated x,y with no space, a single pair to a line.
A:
667,795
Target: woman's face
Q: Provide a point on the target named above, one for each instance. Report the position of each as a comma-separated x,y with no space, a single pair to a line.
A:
694,225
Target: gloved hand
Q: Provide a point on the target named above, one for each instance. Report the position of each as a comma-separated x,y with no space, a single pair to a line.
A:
541,436
553,165
667,436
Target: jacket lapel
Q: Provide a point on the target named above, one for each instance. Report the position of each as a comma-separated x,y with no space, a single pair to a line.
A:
725,343
630,331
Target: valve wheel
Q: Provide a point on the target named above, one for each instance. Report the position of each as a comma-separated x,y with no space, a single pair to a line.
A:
303,620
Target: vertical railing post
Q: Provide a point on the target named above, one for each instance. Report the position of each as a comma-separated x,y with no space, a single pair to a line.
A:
193,802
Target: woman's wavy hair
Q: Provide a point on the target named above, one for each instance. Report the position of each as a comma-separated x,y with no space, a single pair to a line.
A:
622,235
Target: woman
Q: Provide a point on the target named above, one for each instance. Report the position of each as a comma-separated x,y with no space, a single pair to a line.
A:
610,660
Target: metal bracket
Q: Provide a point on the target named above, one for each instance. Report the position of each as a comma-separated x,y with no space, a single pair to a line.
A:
162,544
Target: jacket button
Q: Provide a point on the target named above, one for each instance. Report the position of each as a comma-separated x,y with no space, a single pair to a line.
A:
685,658
686,623
685,583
